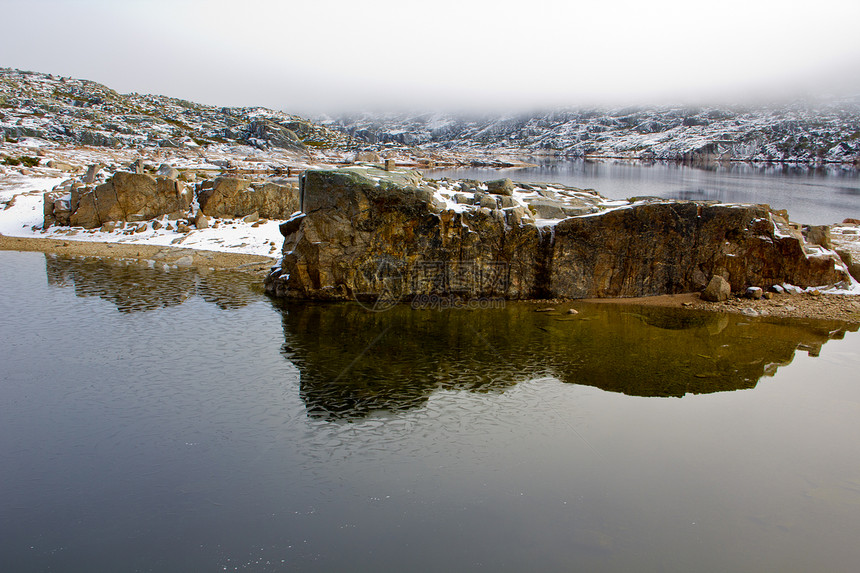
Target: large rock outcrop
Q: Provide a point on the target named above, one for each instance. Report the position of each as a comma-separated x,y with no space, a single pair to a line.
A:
232,197
127,197
672,247
366,233
140,197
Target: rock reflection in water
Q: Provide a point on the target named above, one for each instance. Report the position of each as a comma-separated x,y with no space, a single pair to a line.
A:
136,286
353,361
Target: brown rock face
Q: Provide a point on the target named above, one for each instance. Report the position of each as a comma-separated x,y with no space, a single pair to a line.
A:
360,238
366,233
129,196
231,197
673,247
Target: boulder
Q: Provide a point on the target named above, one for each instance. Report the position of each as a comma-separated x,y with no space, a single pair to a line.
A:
92,172
485,201
61,165
718,290
848,258
357,219
130,196
167,171
235,198
367,157
501,187
547,208
362,226
819,235
56,207
670,247
754,293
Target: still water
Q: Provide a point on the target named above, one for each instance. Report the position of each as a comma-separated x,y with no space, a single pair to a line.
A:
155,420
815,196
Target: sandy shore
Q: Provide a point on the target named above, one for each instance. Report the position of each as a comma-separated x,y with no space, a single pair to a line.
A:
257,264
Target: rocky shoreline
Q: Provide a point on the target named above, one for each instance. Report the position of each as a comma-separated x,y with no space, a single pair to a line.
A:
782,306
789,306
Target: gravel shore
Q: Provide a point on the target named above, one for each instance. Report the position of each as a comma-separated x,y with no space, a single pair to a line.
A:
804,305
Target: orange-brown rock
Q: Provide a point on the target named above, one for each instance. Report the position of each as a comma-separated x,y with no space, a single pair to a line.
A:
232,197
128,197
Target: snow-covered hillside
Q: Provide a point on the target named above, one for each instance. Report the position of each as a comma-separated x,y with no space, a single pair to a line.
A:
81,112
799,132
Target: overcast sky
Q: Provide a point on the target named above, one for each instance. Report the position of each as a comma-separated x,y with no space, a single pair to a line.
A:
313,56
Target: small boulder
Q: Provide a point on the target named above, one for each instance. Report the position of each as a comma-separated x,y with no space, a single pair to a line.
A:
501,187
718,290
367,157
485,201
252,218
754,293
92,172
61,165
167,171
819,235
547,208
201,221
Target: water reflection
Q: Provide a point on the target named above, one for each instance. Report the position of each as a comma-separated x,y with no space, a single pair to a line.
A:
353,361
135,286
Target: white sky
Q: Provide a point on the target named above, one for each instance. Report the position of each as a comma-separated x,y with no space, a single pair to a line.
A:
311,56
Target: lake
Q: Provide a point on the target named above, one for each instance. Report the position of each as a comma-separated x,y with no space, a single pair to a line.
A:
176,420
815,196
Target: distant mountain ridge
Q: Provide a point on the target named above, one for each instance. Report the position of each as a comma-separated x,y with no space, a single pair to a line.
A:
82,112
798,132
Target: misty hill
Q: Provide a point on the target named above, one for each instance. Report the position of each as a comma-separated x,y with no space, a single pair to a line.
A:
798,132
81,112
